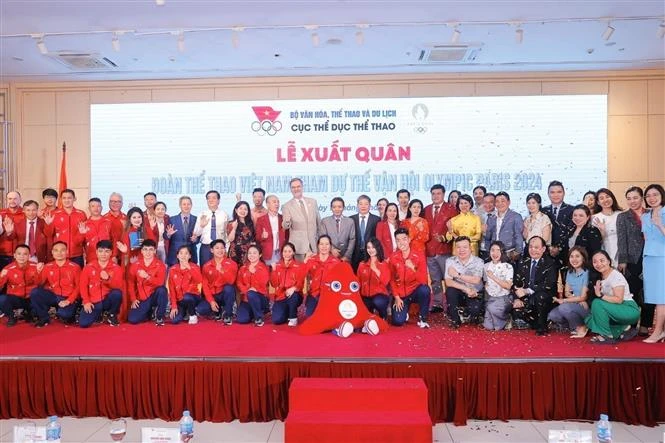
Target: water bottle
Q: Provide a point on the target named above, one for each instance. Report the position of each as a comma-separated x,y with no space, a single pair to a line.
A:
186,427
604,429
53,429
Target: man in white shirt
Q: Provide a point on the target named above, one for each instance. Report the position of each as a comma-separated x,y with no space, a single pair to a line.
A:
211,226
301,217
269,232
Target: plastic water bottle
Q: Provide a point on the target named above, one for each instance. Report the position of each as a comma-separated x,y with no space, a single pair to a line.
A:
604,429
186,427
53,429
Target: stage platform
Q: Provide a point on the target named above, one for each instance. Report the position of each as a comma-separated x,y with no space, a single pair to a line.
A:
222,373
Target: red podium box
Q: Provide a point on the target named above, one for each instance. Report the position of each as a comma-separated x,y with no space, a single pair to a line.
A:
358,409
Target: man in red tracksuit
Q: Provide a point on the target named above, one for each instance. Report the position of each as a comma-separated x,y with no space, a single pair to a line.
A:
65,225
101,287
117,219
147,278
408,281
219,276
96,229
60,288
11,216
21,276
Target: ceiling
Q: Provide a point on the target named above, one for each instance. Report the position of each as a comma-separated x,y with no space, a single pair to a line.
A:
275,38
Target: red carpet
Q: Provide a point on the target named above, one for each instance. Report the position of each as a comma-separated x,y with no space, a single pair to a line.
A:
247,342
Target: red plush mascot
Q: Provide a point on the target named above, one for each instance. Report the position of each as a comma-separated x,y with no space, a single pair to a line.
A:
341,308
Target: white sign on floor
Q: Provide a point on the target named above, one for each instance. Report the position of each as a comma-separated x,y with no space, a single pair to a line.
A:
569,436
160,435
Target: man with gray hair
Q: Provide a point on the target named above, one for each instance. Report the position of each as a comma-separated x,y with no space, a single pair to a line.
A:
301,217
269,232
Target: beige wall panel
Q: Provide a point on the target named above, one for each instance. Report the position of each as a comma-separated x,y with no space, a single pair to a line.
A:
77,138
121,96
656,97
38,157
619,189
580,88
442,89
309,92
247,93
656,148
628,97
32,194
627,148
39,108
82,197
508,88
73,108
183,95
375,91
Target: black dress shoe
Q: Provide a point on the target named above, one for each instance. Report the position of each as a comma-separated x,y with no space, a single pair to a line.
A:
41,323
541,332
12,321
436,310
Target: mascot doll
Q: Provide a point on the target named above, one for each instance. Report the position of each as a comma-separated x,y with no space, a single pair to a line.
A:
341,308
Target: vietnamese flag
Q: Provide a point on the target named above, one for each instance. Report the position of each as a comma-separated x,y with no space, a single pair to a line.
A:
62,185
266,113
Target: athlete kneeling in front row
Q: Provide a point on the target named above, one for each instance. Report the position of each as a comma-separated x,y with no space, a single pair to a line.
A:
101,287
147,292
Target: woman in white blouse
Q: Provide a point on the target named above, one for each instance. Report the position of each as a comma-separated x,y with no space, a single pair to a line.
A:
536,223
613,311
606,222
498,281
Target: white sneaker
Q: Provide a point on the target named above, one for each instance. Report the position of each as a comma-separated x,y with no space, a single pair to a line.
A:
193,319
423,324
371,327
293,322
407,318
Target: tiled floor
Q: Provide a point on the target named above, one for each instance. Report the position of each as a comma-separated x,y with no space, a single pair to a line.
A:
515,431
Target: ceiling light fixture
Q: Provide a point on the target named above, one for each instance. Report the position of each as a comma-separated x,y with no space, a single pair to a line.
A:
360,35
235,36
608,32
519,33
181,41
160,2
456,35
661,30
39,41
115,42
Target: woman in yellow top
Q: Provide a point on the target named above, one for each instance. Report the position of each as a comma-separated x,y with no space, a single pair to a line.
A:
465,224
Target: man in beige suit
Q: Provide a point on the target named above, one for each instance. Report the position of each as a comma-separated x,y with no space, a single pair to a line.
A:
300,216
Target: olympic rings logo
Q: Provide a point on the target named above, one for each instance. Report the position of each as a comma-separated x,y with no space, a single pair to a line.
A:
266,127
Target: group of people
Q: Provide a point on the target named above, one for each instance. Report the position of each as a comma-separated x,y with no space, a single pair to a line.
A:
588,267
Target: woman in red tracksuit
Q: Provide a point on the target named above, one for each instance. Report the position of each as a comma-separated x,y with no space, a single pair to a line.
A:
252,283
317,265
287,279
374,277
184,287
129,249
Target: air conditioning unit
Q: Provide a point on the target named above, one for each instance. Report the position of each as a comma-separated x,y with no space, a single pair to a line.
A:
453,53
81,61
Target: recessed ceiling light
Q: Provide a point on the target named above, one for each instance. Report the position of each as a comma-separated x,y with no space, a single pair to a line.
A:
334,41
18,59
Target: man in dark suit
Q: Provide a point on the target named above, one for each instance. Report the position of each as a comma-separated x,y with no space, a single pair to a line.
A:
365,224
561,216
266,227
181,232
535,286
30,231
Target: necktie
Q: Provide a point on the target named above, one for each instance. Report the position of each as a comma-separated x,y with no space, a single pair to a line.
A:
436,212
185,227
31,239
555,210
362,230
302,208
337,221
532,273
213,227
